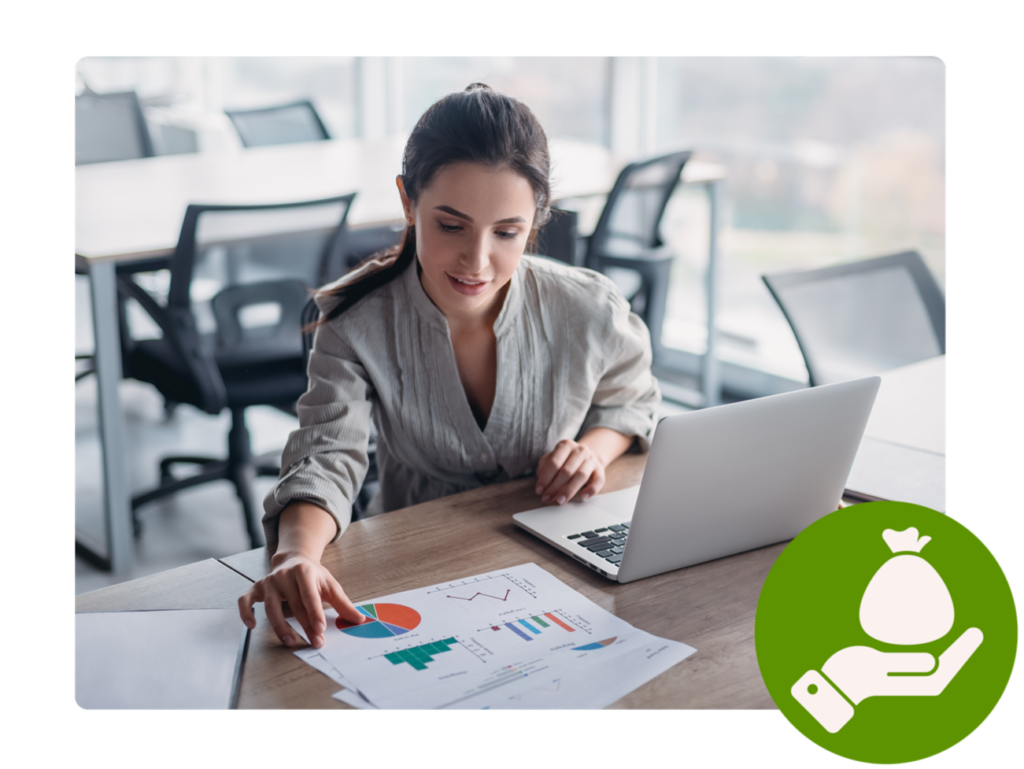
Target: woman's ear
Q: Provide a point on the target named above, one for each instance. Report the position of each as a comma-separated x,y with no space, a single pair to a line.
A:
410,216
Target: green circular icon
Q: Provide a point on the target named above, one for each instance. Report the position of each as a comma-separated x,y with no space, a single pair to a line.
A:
886,632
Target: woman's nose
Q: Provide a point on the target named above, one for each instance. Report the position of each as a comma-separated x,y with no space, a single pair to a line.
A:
475,256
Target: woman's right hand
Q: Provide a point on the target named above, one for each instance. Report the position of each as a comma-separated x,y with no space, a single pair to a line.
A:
298,577
305,584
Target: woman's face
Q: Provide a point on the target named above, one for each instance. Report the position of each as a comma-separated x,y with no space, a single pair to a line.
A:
472,223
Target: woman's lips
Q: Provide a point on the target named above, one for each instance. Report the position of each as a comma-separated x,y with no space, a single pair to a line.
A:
468,288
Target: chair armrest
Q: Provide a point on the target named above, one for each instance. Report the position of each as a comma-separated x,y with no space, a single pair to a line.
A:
179,330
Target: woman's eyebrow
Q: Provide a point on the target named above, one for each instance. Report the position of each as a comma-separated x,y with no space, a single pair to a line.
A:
468,218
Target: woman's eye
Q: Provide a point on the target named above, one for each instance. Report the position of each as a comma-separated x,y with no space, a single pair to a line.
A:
448,227
507,234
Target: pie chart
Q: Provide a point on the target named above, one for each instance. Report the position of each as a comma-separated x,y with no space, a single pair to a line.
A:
385,620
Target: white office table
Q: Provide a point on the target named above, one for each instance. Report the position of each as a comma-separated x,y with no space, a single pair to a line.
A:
903,453
133,209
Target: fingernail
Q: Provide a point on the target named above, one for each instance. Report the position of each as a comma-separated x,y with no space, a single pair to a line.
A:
586,496
250,624
318,641
288,640
319,627
561,499
539,489
546,498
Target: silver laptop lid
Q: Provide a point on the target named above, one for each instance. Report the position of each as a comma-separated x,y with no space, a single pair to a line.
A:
733,478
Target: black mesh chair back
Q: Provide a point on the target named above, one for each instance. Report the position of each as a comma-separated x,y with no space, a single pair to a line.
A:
627,245
232,326
283,124
242,274
110,126
559,238
862,318
630,223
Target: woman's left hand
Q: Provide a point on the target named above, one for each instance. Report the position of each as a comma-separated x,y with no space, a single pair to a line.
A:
568,469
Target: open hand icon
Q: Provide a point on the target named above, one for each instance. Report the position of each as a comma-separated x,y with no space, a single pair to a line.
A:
858,672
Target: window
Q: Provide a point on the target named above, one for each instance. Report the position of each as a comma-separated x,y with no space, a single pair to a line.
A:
828,160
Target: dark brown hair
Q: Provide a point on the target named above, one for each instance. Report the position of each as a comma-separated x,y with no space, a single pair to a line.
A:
477,125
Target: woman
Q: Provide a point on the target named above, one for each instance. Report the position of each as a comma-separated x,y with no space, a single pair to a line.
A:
478,364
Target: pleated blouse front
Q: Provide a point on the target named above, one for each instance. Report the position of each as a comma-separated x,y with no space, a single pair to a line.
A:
571,357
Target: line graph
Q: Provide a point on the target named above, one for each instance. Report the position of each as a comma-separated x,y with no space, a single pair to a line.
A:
485,595
492,586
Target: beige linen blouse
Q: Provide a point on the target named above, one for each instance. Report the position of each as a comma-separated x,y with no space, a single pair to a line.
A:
571,357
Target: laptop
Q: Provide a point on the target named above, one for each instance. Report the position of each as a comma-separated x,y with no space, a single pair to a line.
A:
719,481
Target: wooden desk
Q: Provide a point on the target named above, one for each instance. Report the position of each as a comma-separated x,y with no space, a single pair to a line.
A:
710,606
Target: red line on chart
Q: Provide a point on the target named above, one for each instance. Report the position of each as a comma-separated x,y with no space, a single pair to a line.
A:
486,595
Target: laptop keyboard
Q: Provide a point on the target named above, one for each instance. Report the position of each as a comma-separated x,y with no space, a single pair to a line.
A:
608,542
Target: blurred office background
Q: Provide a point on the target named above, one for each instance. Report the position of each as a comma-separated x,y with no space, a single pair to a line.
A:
825,160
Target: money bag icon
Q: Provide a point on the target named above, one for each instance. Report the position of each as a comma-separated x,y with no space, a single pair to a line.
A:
906,602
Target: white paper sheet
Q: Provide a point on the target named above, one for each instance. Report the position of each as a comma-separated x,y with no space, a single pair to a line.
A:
467,643
313,658
156,659
352,698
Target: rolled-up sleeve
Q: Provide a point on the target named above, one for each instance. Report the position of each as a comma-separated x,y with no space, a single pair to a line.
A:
627,395
325,459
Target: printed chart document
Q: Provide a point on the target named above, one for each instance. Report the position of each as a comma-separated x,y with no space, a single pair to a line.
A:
512,638
157,659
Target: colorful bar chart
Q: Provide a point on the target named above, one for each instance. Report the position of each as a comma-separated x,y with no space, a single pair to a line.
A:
417,657
534,626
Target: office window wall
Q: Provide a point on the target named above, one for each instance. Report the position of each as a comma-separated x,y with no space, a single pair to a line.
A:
569,95
329,82
828,160
184,98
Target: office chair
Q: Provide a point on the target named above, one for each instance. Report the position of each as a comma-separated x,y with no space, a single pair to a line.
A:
628,236
231,325
559,238
283,124
861,318
371,483
110,126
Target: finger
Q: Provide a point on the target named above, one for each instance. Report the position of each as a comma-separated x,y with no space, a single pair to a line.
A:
593,488
290,592
556,491
245,603
550,463
310,594
910,662
956,656
346,609
578,481
277,621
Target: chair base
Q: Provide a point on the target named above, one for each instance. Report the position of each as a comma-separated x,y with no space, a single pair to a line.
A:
240,468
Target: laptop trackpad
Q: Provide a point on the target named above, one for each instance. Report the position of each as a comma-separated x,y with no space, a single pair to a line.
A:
577,517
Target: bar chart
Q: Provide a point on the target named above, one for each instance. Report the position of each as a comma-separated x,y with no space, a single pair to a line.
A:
418,657
530,627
